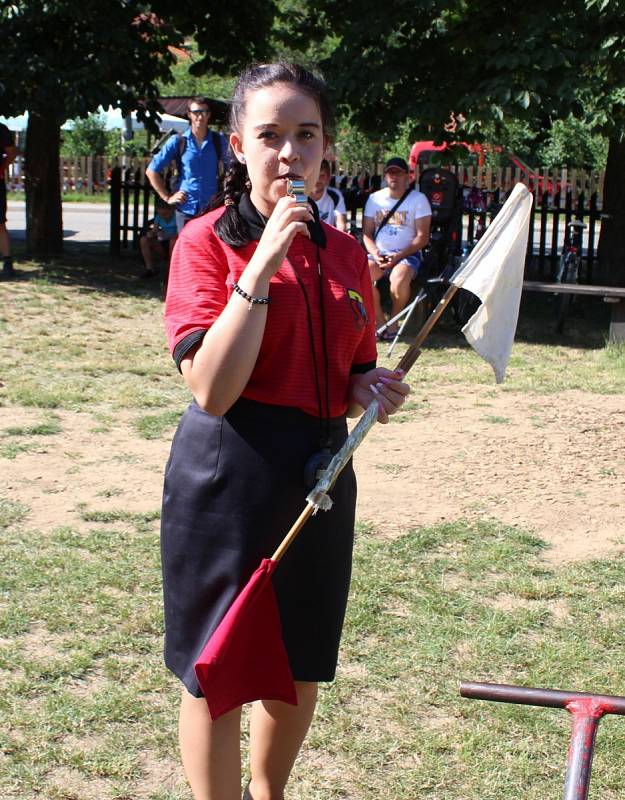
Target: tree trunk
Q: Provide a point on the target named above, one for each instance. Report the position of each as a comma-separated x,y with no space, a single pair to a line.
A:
611,249
44,216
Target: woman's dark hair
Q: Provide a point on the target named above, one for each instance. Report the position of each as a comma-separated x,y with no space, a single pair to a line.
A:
231,227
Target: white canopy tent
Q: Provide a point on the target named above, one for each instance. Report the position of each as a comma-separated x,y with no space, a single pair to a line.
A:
113,119
15,124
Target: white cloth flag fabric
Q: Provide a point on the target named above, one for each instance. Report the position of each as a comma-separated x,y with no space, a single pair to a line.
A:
493,272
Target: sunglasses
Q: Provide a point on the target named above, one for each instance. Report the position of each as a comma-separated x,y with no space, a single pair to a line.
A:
198,111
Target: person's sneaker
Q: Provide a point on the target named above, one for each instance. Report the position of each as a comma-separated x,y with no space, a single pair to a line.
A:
149,273
8,270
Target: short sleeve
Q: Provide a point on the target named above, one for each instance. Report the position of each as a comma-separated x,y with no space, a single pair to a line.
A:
196,289
370,208
422,206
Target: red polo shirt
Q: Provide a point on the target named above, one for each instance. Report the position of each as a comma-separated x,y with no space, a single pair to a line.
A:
202,273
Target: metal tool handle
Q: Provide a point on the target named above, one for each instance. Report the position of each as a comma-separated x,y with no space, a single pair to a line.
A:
551,698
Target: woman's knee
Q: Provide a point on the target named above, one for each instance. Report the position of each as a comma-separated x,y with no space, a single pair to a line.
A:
306,691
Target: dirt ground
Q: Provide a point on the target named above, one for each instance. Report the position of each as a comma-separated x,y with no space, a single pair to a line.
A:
553,465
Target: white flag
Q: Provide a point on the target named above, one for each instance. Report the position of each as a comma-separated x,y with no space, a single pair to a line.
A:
493,272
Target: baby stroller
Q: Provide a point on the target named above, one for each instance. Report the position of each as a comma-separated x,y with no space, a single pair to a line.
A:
442,254
440,186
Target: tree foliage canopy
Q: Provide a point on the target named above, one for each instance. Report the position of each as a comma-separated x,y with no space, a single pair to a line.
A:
487,61
67,57
89,137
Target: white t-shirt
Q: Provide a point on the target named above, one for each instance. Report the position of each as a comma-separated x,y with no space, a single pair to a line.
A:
399,231
327,209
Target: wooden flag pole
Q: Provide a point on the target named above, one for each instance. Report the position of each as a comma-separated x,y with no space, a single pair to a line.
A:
406,362
297,526
414,351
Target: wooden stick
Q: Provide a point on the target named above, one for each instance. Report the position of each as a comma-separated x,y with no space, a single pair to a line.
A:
406,362
297,526
414,351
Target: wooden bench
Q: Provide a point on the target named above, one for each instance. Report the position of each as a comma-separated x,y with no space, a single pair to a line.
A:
615,295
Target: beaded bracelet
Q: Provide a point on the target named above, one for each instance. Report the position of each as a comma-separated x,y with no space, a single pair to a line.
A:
251,299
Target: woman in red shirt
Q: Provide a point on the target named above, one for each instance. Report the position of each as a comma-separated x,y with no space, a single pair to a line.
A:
269,319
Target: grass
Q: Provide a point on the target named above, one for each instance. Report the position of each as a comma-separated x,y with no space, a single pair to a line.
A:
155,426
96,362
427,611
16,438
68,197
88,708
542,362
85,693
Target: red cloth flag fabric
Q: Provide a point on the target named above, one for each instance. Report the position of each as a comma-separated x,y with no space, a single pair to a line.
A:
245,658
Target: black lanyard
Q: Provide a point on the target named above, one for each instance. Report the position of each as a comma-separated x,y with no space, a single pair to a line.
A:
324,418
318,461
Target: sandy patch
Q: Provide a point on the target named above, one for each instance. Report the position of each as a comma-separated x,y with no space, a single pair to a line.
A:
553,465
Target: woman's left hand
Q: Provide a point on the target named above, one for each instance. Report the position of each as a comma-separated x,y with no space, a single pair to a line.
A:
383,385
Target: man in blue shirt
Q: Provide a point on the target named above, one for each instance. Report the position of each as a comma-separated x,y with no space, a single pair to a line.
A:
198,153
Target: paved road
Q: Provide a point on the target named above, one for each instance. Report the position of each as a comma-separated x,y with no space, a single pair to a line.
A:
82,222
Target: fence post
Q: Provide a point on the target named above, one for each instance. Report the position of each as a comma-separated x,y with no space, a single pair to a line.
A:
116,191
126,203
136,196
529,251
555,232
579,214
542,248
147,197
593,216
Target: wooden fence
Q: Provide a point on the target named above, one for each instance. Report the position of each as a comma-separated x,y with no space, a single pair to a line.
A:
551,214
133,203
543,182
85,175
92,174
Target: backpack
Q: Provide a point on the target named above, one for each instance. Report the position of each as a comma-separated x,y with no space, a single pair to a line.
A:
182,146
334,195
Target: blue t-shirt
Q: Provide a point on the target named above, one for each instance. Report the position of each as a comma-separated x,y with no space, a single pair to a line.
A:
197,168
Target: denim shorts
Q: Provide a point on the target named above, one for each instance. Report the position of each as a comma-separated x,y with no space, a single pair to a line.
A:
415,261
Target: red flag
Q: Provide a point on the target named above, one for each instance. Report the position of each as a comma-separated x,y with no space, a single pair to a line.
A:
245,658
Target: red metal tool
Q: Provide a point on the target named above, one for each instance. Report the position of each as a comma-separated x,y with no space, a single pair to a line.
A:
586,710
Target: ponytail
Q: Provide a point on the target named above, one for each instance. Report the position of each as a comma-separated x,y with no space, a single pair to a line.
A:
231,227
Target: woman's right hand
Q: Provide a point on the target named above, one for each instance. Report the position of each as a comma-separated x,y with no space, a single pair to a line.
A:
286,221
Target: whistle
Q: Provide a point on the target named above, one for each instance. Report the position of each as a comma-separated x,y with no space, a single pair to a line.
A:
297,189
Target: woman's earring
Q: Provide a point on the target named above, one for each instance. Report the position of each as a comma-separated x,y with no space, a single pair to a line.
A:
242,159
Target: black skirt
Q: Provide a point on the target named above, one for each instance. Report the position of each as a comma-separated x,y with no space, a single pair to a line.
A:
234,486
